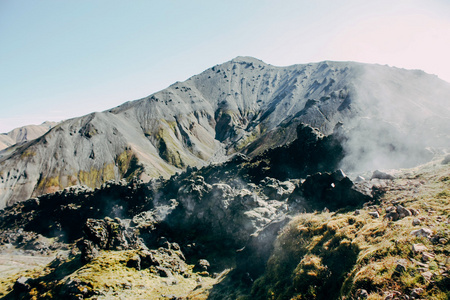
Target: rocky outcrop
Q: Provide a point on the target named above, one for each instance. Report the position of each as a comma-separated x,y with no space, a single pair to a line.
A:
331,190
106,234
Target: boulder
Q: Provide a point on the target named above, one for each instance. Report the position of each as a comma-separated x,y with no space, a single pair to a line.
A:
323,190
374,214
110,234
201,265
381,175
418,248
426,256
415,293
422,232
427,275
402,212
400,268
414,212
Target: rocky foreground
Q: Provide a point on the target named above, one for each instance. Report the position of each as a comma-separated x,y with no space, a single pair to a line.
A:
285,224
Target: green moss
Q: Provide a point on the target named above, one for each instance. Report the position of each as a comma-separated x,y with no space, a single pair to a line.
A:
443,195
310,261
128,164
27,153
255,134
48,184
95,177
167,148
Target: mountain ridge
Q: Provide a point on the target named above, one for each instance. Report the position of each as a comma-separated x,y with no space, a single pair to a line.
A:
243,105
24,133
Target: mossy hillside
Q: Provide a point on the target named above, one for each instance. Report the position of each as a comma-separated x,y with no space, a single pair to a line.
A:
109,273
95,177
311,257
170,149
92,178
47,185
7,282
109,277
128,164
249,138
332,256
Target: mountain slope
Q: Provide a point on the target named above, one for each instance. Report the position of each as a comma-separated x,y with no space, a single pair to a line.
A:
243,105
23,134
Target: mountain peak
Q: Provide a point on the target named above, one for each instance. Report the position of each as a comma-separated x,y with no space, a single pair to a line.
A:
247,59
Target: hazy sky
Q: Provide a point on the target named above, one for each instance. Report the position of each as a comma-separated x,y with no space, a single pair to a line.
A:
62,59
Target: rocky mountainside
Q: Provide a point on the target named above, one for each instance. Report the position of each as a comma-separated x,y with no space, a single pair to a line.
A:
23,134
393,117
242,229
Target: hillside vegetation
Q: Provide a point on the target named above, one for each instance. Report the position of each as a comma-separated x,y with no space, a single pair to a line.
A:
393,246
338,255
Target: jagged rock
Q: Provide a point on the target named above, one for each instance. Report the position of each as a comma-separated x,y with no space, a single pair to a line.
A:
423,232
415,293
322,190
247,198
395,213
414,212
392,216
390,209
88,250
164,272
201,265
147,259
426,256
134,262
97,232
416,222
402,212
74,288
22,284
381,175
427,275
361,294
400,268
338,175
110,234
374,214
419,248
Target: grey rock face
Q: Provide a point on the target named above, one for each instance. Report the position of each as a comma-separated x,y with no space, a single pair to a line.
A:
243,105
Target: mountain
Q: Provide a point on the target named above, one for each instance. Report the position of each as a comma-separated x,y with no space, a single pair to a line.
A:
24,134
392,118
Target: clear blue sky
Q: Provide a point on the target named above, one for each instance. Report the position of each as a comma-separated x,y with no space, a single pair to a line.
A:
62,59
